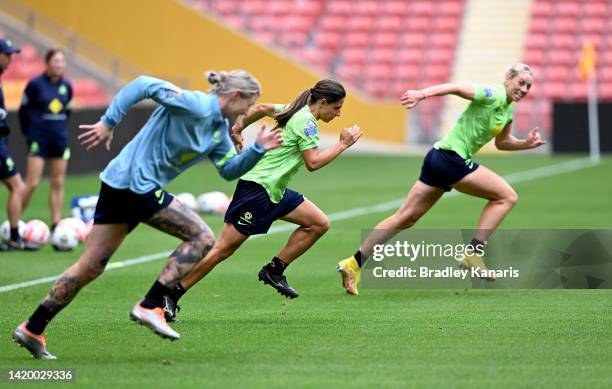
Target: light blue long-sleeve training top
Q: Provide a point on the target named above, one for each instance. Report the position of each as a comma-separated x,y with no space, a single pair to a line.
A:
187,127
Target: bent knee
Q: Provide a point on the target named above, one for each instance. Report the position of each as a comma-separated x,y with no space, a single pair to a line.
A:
510,197
322,225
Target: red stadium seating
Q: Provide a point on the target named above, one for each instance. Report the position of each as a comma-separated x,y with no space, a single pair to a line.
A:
557,30
381,47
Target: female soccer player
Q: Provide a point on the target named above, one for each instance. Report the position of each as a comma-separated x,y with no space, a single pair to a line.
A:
187,127
43,114
449,165
8,174
262,196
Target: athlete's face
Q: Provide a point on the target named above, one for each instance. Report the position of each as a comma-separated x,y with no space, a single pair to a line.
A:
239,104
5,61
56,65
518,86
329,111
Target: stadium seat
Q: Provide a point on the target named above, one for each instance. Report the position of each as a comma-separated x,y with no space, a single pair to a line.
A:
335,23
383,56
385,40
569,9
360,23
340,8
392,7
357,39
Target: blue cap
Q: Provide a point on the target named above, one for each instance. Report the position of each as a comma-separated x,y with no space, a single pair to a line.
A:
7,47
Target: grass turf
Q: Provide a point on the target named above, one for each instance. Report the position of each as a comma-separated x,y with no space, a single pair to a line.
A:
238,332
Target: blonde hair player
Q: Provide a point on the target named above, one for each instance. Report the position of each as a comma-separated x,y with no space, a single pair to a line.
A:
449,165
187,127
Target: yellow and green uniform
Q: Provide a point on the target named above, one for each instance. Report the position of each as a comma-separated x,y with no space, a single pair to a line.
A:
276,167
483,119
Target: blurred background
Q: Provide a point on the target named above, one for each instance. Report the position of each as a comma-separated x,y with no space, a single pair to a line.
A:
377,48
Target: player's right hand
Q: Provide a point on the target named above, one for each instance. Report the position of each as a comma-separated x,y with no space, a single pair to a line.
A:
411,98
94,134
350,135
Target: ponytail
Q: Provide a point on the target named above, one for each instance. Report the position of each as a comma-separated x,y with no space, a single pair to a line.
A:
327,89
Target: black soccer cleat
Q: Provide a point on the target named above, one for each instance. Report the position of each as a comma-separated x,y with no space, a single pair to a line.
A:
12,244
277,282
171,308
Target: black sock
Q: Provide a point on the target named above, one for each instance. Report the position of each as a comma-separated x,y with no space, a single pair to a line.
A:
478,245
53,226
277,266
155,296
358,257
38,321
177,292
15,233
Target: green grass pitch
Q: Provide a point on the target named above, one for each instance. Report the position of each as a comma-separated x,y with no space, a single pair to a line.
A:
238,332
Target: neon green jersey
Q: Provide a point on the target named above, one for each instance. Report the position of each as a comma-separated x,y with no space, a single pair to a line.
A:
276,167
483,119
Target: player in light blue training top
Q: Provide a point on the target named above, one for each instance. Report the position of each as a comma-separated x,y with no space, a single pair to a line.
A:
187,127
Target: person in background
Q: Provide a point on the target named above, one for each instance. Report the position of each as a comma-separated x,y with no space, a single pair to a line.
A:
8,174
43,114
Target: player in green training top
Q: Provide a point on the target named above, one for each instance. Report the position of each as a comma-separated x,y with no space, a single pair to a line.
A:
262,196
449,165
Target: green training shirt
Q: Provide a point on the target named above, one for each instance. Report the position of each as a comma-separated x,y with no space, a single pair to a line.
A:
276,167
483,119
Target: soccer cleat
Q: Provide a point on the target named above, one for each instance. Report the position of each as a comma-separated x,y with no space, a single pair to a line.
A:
277,282
36,344
154,319
171,308
477,263
10,245
351,274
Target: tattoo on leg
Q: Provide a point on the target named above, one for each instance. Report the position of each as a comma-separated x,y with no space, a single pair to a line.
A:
64,290
180,221
184,258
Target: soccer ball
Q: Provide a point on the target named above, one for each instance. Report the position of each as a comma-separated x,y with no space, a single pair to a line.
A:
77,225
64,238
188,199
36,234
213,202
5,230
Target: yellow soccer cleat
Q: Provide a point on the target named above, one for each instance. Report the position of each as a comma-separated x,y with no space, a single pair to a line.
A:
351,274
477,262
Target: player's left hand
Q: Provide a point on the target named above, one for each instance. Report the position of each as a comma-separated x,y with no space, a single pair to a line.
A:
533,139
95,134
237,140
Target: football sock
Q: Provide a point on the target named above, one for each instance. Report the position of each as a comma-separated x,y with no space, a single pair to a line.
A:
177,292
276,266
155,296
14,233
478,245
358,257
38,321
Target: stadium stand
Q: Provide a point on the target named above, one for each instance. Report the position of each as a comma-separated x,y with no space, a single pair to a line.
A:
381,48
557,30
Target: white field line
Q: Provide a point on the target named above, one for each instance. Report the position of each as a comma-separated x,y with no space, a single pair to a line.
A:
523,176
